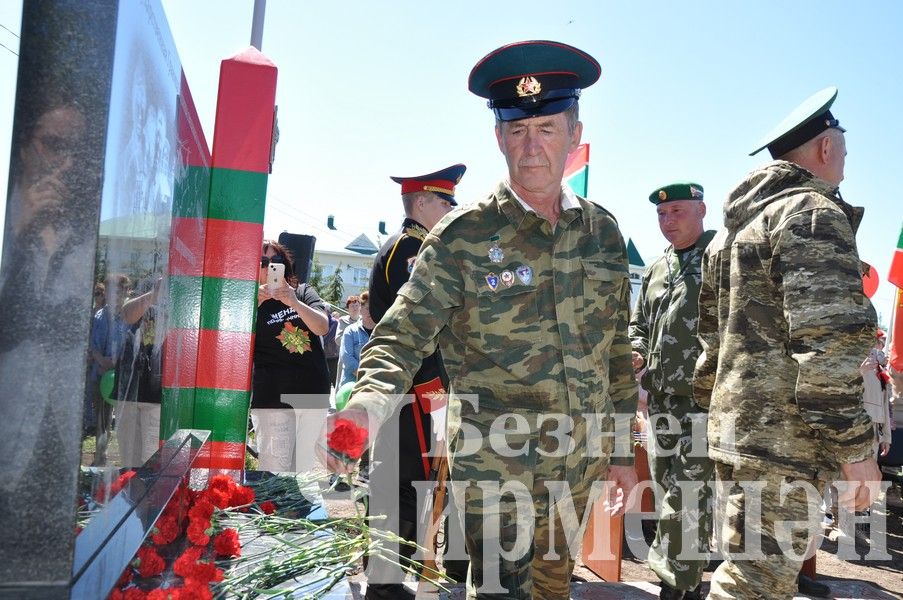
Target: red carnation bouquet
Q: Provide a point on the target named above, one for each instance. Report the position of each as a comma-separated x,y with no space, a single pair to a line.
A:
178,559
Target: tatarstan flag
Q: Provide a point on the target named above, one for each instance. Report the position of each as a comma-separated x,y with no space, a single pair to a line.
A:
895,356
896,266
576,170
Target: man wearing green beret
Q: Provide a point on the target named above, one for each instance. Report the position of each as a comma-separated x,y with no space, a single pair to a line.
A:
526,295
663,336
784,324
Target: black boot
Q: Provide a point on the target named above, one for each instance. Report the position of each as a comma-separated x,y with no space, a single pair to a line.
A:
669,593
694,594
808,586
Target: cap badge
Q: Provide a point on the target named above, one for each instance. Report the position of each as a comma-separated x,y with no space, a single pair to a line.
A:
525,274
695,192
662,195
493,280
528,86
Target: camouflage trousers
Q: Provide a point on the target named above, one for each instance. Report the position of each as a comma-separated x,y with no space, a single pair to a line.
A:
518,554
677,461
763,544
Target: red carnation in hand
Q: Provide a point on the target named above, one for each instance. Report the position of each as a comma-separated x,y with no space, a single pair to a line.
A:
150,564
268,507
166,530
227,544
347,438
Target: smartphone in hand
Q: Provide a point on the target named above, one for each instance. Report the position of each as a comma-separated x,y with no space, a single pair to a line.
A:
275,276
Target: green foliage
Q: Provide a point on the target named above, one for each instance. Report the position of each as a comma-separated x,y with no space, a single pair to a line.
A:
332,289
315,279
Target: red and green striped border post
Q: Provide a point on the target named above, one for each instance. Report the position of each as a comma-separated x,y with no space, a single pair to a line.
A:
186,261
234,232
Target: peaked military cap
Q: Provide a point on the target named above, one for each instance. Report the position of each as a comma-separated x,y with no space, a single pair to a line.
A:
806,121
533,78
442,183
676,191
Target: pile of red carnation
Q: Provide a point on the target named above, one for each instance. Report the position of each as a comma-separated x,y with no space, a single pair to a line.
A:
187,533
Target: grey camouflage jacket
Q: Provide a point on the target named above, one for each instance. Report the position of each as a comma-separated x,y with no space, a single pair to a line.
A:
784,325
543,329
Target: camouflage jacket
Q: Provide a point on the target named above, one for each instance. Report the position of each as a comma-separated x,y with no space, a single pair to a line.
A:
663,326
543,329
784,325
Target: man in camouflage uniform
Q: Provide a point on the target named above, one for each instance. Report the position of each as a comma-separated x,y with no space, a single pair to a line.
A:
784,325
663,336
526,294
426,199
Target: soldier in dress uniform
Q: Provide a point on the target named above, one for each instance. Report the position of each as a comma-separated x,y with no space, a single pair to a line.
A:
784,324
526,294
426,199
663,336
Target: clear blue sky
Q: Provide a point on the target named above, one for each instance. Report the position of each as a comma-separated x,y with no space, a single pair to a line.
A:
372,89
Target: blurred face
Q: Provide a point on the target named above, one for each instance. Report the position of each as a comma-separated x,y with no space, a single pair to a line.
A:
269,253
681,221
366,318
433,209
535,150
836,157
354,310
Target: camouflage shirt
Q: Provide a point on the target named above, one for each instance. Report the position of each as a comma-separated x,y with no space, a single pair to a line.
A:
784,325
530,318
663,327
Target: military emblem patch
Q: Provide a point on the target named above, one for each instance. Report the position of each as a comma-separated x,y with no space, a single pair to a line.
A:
695,192
493,280
496,254
411,263
507,278
527,86
525,274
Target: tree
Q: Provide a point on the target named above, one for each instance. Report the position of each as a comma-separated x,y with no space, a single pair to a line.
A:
315,279
332,291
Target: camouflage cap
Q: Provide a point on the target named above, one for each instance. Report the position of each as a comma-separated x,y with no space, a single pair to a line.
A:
676,191
805,122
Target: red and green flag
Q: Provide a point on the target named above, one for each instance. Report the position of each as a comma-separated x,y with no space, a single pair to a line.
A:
576,170
895,276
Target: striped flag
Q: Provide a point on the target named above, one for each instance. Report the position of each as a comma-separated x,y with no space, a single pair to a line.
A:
576,170
895,276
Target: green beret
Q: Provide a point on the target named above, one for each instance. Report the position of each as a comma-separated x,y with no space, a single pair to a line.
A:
676,191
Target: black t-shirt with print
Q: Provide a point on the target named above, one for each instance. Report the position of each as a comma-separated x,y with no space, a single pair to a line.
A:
283,343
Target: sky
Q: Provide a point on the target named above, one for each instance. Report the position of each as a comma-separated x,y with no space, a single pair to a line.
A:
372,89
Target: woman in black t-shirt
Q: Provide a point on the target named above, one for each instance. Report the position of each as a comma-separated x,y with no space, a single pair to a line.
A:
288,359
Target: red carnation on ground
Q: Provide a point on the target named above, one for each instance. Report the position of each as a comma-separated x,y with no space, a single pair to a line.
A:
205,571
196,590
268,507
120,482
222,482
241,495
172,593
227,543
220,498
183,565
116,594
125,578
150,564
166,530
199,532
134,593
202,509
347,438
